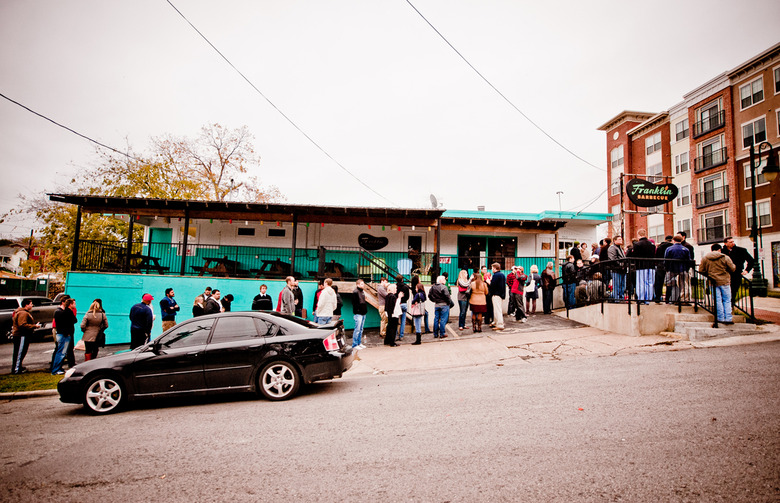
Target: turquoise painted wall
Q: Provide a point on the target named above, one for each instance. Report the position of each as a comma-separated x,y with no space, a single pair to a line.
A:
120,292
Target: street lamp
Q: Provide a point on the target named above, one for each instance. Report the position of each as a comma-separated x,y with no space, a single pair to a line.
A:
759,286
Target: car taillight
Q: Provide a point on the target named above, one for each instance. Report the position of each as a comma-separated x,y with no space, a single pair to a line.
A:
331,343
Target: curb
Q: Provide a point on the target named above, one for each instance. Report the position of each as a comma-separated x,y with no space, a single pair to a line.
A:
28,394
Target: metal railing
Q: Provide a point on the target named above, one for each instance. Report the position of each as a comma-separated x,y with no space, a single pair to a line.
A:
712,234
716,195
636,282
713,159
711,123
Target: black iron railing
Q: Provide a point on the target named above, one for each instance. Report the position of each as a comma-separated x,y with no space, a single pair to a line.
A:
713,196
711,123
713,233
712,159
636,282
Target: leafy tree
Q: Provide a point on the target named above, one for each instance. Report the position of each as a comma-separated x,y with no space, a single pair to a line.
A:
214,166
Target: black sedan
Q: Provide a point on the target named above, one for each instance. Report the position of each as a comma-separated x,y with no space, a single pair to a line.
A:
264,352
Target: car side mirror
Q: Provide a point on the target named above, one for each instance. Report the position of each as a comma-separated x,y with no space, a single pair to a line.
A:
156,347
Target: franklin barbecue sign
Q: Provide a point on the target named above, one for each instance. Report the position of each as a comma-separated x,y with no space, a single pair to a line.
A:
644,193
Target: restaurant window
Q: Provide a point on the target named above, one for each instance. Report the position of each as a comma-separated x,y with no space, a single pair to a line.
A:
276,232
246,231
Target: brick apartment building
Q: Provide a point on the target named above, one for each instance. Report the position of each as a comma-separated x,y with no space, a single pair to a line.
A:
701,145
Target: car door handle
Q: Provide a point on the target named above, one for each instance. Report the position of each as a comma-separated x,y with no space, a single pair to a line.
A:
196,353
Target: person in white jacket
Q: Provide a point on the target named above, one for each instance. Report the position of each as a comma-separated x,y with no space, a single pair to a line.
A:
326,304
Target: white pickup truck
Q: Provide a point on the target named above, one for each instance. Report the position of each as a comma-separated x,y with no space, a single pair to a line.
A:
43,313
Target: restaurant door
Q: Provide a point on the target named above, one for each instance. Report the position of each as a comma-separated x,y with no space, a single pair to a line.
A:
476,251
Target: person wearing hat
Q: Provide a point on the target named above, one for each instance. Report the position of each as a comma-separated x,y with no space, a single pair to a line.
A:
141,320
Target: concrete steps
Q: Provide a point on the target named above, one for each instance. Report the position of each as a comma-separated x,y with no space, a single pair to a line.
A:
702,330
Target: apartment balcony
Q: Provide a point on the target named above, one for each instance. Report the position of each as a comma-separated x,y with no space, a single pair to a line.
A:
709,124
712,160
713,234
712,197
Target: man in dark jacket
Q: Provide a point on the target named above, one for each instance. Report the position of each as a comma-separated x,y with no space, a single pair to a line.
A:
743,262
497,291
660,270
23,327
643,252
401,288
439,294
359,311
569,282
213,305
677,265
64,320
141,321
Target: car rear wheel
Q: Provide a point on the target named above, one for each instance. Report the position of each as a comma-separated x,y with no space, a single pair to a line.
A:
103,395
279,381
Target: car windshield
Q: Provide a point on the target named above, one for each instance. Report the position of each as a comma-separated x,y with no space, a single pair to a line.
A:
8,304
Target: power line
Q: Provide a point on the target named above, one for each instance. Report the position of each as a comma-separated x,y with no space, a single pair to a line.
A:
71,130
288,119
499,92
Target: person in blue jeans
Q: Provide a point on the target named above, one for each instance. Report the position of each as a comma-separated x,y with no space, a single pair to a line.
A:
359,311
407,295
463,300
439,294
65,320
569,282
718,268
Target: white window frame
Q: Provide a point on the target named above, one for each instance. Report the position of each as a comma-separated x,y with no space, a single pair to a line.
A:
655,176
678,163
760,180
653,143
723,213
616,157
752,123
750,86
680,225
652,233
767,203
615,187
685,193
776,79
616,213
684,130
718,104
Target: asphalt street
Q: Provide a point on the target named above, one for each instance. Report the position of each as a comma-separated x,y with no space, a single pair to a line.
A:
695,425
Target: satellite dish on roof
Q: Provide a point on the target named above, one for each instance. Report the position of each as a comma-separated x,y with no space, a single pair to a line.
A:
435,202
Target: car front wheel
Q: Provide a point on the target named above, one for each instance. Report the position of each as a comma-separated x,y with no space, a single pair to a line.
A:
279,381
104,395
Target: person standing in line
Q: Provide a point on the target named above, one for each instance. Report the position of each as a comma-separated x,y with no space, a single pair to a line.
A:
168,309
643,252
141,321
287,297
92,324
359,311
65,320
405,294
418,302
686,289
677,265
618,269
497,291
320,286
478,301
463,299
510,279
518,293
206,294
576,251
415,282
743,263
585,251
381,296
298,293
440,296
719,268
548,286
660,269
213,305
263,301
326,303
339,304
392,315
197,306
23,328
227,302
569,282
487,278
532,294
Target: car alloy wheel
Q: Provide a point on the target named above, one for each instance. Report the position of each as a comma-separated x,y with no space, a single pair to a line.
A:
279,381
103,395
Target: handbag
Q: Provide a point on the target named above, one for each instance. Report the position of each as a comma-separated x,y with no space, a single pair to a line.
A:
80,346
531,286
397,311
417,309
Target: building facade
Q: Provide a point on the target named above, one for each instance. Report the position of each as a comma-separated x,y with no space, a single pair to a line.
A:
702,145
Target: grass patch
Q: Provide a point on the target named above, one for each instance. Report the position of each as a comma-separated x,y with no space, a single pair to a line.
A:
30,381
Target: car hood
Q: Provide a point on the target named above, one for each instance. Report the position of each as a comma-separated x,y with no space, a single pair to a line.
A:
107,362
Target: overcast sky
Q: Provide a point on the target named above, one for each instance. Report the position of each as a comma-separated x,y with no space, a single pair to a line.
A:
369,81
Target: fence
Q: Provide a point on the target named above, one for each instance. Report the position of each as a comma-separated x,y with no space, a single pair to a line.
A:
636,282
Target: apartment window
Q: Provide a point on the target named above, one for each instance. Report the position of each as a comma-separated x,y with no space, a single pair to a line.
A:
714,227
681,130
654,173
681,163
760,180
683,225
712,189
615,187
709,117
764,214
653,143
752,93
656,233
711,154
753,132
616,213
617,157
684,197
777,80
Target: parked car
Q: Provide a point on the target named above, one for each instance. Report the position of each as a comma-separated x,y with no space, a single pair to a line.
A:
265,352
43,312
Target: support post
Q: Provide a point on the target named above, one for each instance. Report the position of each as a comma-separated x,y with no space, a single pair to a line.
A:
294,243
183,269
74,260
129,250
